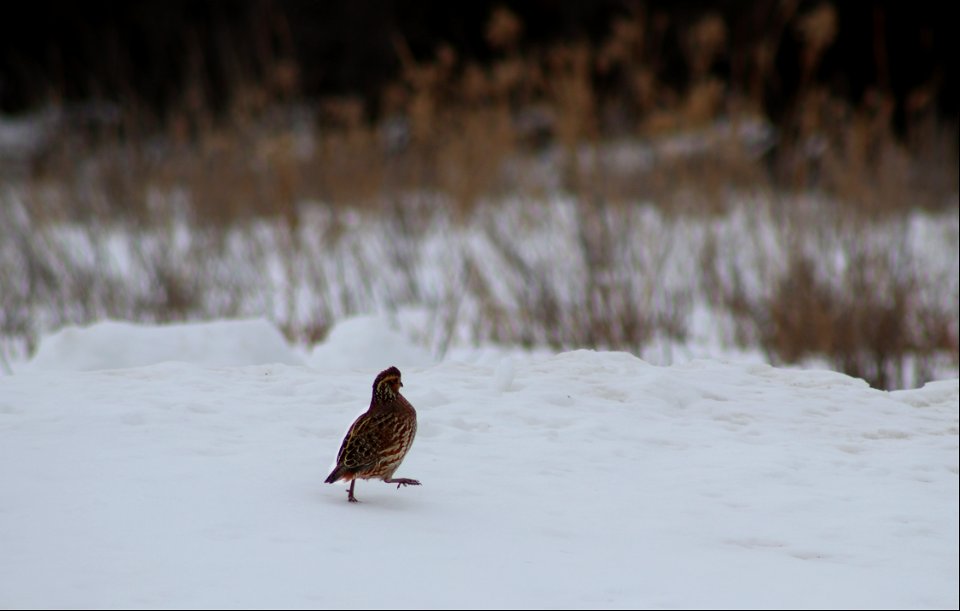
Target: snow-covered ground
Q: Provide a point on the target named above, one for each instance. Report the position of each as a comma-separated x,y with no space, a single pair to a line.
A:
182,467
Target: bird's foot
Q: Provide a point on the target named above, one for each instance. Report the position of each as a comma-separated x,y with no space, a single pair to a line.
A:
403,481
350,496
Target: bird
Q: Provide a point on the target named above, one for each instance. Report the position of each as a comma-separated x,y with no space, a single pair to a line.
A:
379,439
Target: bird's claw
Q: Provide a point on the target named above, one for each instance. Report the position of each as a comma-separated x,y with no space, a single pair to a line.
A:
405,482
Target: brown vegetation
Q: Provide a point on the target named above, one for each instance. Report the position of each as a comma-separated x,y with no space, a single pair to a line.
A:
598,123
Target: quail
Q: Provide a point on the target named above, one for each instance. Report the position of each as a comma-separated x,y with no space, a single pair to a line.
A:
379,439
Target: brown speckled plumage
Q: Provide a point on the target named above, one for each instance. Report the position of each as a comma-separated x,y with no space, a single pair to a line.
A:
379,439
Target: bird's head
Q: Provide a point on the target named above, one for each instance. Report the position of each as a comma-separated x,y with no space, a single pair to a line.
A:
387,383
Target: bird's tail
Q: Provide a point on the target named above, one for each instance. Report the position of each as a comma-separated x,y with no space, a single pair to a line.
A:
334,475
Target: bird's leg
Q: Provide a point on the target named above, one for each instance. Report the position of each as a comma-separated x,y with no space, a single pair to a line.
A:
402,481
350,496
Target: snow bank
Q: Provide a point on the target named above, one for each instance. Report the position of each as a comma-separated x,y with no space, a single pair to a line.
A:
368,342
120,345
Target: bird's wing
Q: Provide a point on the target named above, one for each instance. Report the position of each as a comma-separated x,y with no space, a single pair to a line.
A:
362,446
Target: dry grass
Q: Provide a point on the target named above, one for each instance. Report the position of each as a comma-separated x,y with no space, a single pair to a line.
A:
864,305
452,125
600,124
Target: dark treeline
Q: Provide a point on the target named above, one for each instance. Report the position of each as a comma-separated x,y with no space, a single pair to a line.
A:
151,54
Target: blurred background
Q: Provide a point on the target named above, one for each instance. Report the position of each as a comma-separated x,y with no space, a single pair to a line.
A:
769,180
